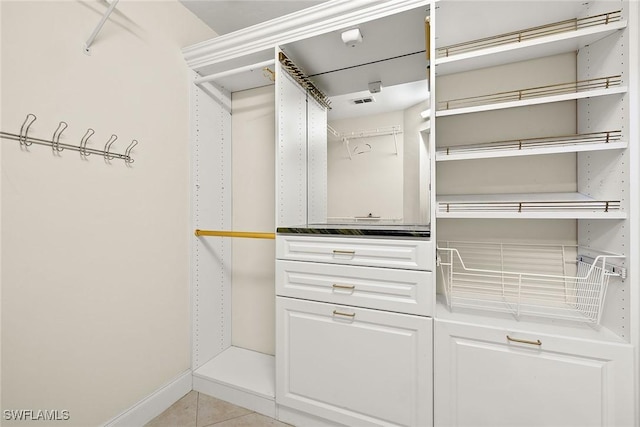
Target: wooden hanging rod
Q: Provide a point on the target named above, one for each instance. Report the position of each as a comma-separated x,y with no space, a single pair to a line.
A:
244,234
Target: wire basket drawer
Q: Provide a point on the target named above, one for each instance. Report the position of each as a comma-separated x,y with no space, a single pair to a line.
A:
555,281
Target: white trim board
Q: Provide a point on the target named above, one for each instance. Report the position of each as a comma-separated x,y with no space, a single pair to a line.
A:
154,404
329,16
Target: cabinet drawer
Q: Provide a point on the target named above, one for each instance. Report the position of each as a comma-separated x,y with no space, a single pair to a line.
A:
404,254
405,291
354,366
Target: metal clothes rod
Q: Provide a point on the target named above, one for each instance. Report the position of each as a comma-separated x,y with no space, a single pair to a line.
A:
93,35
243,234
252,67
530,33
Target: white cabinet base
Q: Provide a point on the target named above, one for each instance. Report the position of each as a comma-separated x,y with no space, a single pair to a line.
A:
484,377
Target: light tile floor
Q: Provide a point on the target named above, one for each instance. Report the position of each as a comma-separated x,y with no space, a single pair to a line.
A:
199,410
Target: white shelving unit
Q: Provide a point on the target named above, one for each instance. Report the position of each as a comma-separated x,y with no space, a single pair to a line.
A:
221,66
542,296
498,123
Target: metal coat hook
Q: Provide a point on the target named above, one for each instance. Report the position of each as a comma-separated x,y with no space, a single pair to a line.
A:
127,152
107,147
83,142
24,129
55,139
25,140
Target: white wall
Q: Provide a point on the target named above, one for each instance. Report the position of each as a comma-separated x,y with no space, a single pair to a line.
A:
370,182
253,271
95,269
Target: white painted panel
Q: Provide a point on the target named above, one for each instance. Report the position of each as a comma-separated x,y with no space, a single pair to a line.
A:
608,174
362,367
211,209
317,162
291,155
404,291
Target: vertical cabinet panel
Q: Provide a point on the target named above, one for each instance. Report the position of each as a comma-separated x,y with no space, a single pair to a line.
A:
291,155
354,366
484,379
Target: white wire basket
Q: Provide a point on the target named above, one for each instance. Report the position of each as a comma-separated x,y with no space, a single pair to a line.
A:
553,281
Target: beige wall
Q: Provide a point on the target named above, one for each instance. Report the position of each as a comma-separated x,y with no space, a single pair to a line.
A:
253,153
95,268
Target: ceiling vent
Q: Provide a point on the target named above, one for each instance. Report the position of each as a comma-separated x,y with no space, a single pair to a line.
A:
365,100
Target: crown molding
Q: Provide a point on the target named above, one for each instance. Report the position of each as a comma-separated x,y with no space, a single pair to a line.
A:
325,17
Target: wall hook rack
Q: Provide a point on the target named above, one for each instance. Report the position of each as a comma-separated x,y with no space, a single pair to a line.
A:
25,141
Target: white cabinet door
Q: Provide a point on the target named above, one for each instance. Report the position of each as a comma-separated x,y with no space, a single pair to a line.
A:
483,376
354,366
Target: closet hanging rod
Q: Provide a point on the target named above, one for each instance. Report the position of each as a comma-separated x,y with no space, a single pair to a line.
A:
243,234
216,76
93,35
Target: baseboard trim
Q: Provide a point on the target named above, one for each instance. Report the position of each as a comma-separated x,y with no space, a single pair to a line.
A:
154,404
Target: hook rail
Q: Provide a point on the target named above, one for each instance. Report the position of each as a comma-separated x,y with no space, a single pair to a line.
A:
25,140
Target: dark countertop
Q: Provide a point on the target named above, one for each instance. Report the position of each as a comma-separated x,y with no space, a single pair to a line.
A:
372,230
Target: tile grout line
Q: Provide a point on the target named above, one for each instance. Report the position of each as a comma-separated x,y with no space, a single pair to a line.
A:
197,406
239,416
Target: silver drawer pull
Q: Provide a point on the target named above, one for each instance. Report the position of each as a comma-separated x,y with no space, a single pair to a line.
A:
342,252
536,342
337,286
339,313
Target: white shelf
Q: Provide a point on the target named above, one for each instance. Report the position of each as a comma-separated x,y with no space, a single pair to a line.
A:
242,369
533,101
527,206
530,49
533,146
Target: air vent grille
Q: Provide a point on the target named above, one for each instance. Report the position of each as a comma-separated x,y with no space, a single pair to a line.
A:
366,100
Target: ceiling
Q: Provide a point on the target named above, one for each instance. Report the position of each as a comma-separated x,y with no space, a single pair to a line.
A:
226,16
391,52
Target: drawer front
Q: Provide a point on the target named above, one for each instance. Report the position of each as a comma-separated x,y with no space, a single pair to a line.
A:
354,366
404,291
391,253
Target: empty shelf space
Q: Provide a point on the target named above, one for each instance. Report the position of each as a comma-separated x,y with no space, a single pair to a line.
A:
242,369
544,40
594,141
529,205
601,86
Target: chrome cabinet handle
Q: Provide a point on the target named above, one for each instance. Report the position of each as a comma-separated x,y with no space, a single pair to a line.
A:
342,252
536,342
340,313
338,286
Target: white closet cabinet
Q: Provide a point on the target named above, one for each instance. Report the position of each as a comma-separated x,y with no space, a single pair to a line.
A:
352,365
507,376
535,119
353,330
